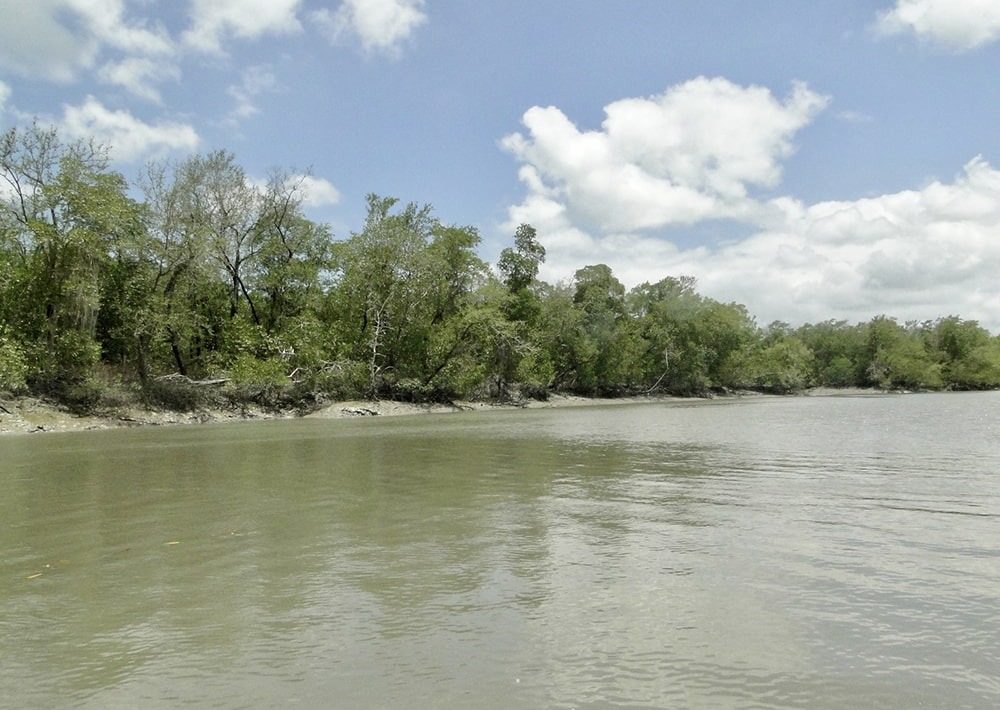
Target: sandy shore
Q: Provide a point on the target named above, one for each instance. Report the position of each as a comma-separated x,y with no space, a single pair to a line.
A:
28,415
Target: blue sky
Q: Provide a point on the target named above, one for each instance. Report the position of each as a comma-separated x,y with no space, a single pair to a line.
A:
810,160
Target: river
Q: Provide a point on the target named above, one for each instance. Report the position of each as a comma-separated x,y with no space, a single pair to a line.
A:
813,552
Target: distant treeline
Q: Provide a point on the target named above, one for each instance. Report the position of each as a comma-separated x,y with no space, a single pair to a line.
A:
195,274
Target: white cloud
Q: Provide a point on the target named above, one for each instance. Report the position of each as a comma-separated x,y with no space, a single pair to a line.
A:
129,138
36,41
139,76
311,190
380,25
958,24
316,192
59,39
4,95
623,195
689,154
913,255
255,81
214,20
106,20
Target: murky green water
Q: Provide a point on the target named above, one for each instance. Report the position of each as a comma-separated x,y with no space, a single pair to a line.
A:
765,553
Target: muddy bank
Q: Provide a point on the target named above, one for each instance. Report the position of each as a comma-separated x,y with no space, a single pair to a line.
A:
29,415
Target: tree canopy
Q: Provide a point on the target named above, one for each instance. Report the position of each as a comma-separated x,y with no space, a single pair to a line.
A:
199,272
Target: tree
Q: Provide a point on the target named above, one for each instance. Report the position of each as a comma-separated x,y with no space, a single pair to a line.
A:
293,253
454,329
897,357
673,357
65,214
226,209
600,297
13,366
456,268
838,352
183,310
382,281
519,265
693,344
782,364
970,357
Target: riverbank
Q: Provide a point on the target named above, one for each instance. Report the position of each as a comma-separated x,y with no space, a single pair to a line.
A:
28,415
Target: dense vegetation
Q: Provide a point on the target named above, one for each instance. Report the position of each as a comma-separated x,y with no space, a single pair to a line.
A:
196,280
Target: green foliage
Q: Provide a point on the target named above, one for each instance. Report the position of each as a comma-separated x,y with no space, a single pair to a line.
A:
693,344
838,349
898,359
177,394
13,365
782,367
62,220
970,357
840,372
382,292
253,370
979,368
519,265
583,333
214,276
56,366
263,381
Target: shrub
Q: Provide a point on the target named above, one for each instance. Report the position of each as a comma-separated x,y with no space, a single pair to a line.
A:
13,365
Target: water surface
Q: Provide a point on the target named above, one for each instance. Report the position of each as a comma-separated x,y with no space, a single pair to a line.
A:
761,553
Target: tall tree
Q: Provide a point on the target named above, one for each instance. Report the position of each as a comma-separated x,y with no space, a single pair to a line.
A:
222,204
598,347
63,215
970,356
695,343
184,286
897,357
293,253
382,283
519,265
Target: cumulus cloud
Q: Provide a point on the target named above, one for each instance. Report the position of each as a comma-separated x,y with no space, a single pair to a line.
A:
909,254
380,25
139,76
212,21
107,22
957,24
625,195
316,192
130,138
311,190
689,154
59,39
40,39
4,96
913,255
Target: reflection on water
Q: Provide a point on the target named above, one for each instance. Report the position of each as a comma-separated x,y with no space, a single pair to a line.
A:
823,553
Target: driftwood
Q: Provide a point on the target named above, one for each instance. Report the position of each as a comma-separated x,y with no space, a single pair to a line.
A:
360,411
177,377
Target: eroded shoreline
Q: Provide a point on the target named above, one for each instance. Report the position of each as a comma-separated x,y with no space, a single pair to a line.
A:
30,415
